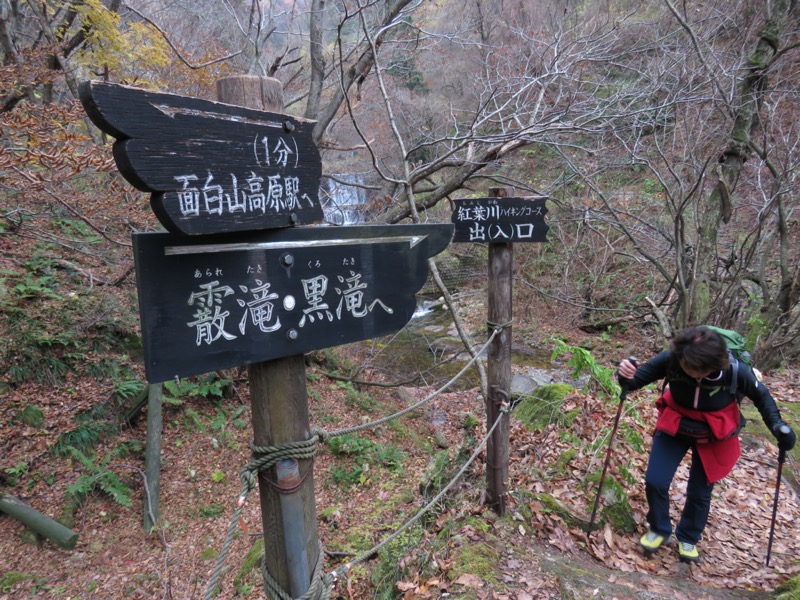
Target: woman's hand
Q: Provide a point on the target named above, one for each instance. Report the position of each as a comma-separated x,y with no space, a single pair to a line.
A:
627,369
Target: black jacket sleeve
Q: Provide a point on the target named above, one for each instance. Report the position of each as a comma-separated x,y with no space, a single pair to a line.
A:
750,386
651,371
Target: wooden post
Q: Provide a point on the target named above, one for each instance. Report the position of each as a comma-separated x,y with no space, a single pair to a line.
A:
152,457
278,399
42,524
280,414
499,367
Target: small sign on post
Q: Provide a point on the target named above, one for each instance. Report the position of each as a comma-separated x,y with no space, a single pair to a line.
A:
500,220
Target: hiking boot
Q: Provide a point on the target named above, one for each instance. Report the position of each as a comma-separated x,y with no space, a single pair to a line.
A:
688,552
651,541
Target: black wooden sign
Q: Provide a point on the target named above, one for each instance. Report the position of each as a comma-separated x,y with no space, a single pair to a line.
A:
223,301
211,167
499,220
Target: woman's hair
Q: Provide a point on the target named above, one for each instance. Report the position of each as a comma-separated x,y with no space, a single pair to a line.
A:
700,349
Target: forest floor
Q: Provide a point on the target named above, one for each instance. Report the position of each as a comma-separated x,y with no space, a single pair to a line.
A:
366,490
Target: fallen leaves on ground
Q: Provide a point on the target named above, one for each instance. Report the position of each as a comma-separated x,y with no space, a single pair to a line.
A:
115,558
734,545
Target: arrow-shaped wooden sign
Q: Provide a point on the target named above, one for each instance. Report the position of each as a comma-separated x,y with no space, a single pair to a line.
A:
224,301
211,167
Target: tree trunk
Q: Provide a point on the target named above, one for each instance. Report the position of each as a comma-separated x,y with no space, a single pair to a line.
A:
718,207
317,55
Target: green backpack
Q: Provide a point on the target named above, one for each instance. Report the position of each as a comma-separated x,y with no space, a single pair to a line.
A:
736,347
738,353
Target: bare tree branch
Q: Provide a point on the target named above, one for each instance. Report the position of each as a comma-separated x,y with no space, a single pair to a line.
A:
175,49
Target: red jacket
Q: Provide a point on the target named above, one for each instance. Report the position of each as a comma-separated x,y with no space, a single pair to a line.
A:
719,454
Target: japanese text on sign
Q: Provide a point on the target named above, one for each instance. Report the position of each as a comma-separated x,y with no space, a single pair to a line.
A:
230,300
211,167
213,302
497,220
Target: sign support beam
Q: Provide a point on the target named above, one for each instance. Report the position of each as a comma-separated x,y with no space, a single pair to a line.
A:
501,256
279,407
500,221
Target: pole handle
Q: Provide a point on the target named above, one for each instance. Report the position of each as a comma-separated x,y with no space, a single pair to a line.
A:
623,382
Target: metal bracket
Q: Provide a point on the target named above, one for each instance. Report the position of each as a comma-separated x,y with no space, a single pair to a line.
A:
504,397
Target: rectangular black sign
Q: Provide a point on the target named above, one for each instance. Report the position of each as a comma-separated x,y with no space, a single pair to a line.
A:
498,220
224,301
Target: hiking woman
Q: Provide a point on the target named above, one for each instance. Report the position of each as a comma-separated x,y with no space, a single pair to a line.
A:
699,411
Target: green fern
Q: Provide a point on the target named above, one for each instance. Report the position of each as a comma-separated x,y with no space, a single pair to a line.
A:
84,437
99,476
128,388
210,386
582,361
193,419
31,416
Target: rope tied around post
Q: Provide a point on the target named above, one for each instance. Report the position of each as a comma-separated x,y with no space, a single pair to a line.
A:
266,456
320,588
501,398
499,327
263,457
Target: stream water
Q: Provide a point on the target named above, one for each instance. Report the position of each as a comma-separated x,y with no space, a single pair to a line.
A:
429,352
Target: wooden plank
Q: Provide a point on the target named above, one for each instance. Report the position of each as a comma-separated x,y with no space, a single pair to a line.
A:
217,302
211,167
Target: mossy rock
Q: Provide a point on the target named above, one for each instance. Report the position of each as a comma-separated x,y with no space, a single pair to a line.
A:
756,432
478,558
615,507
572,519
544,406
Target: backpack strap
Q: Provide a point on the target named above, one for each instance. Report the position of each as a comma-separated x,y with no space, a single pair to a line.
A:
734,374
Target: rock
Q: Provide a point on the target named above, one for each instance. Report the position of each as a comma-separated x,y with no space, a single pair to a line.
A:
522,385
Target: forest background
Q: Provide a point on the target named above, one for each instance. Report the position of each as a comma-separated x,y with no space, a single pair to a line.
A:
663,135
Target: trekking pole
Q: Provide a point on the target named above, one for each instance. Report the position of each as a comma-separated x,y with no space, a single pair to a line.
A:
781,459
623,392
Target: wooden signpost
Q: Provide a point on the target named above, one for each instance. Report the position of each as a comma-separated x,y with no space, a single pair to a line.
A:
247,287
499,221
211,167
215,302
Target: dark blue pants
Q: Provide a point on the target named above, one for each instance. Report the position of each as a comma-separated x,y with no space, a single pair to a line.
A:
665,457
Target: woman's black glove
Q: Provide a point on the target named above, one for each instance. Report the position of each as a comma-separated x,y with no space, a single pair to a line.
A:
785,436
